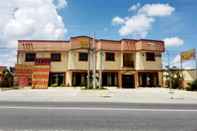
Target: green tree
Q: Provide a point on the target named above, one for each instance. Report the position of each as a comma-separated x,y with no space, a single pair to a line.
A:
174,78
192,86
8,78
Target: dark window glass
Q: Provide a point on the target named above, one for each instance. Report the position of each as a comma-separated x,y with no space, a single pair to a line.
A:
150,56
83,56
109,56
30,57
56,57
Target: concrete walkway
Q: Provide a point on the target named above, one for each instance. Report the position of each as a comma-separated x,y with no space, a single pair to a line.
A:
139,95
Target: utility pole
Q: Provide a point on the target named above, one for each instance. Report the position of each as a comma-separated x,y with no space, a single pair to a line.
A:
195,58
94,62
168,68
100,71
88,79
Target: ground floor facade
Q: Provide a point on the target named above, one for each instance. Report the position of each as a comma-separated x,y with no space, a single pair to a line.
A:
41,76
120,79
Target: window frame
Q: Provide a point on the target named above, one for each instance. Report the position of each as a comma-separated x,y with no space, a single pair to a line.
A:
79,56
149,57
28,59
108,57
56,60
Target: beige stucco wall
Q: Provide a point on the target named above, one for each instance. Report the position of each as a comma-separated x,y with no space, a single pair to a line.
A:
21,59
68,78
161,79
55,66
60,66
142,64
108,65
189,75
73,61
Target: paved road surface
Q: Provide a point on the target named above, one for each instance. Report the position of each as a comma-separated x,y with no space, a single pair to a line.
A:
97,117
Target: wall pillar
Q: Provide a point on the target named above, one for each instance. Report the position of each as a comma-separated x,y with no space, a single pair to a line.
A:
119,79
68,78
136,80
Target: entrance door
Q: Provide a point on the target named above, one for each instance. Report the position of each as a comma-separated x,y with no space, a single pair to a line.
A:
56,79
79,79
148,79
128,81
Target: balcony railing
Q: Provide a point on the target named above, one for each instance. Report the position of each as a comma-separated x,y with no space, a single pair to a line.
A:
129,64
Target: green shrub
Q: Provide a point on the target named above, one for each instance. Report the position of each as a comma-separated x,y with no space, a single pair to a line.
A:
62,85
8,79
192,86
54,85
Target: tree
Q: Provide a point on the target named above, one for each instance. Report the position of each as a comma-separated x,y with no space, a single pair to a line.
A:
174,78
8,78
192,86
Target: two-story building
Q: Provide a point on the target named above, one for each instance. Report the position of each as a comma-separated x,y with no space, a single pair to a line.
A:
125,63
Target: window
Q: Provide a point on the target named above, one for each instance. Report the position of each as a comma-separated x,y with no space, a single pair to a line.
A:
109,56
83,56
55,57
150,56
30,57
109,79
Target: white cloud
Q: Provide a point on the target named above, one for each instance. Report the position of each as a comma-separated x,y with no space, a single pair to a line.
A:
134,7
118,20
61,3
156,9
136,25
30,19
140,24
173,41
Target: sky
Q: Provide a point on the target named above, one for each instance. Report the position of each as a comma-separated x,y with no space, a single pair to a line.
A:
173,21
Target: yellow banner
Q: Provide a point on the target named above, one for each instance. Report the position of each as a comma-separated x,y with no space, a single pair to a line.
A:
188,55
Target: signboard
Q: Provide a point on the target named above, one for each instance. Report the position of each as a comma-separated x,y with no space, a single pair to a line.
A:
188,55
153,46
40,75
84,42
27,45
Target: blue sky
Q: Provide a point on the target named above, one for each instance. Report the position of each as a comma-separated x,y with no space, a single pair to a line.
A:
177,23
96,16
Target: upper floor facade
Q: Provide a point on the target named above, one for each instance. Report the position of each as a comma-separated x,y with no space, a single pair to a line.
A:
125,54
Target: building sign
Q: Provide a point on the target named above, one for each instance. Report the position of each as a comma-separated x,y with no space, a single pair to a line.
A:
40,75
27,45
152,46
188,55
84,42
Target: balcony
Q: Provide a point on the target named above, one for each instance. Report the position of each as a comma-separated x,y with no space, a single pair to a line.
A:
128,60
128,64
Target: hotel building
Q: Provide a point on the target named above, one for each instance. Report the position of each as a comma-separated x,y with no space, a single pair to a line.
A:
125,63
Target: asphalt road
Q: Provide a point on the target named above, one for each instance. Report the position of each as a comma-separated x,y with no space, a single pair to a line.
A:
97,117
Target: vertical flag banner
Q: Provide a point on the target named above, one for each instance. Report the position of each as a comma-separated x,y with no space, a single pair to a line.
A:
40,75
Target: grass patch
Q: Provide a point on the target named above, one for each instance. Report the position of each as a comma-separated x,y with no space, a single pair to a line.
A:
103,88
